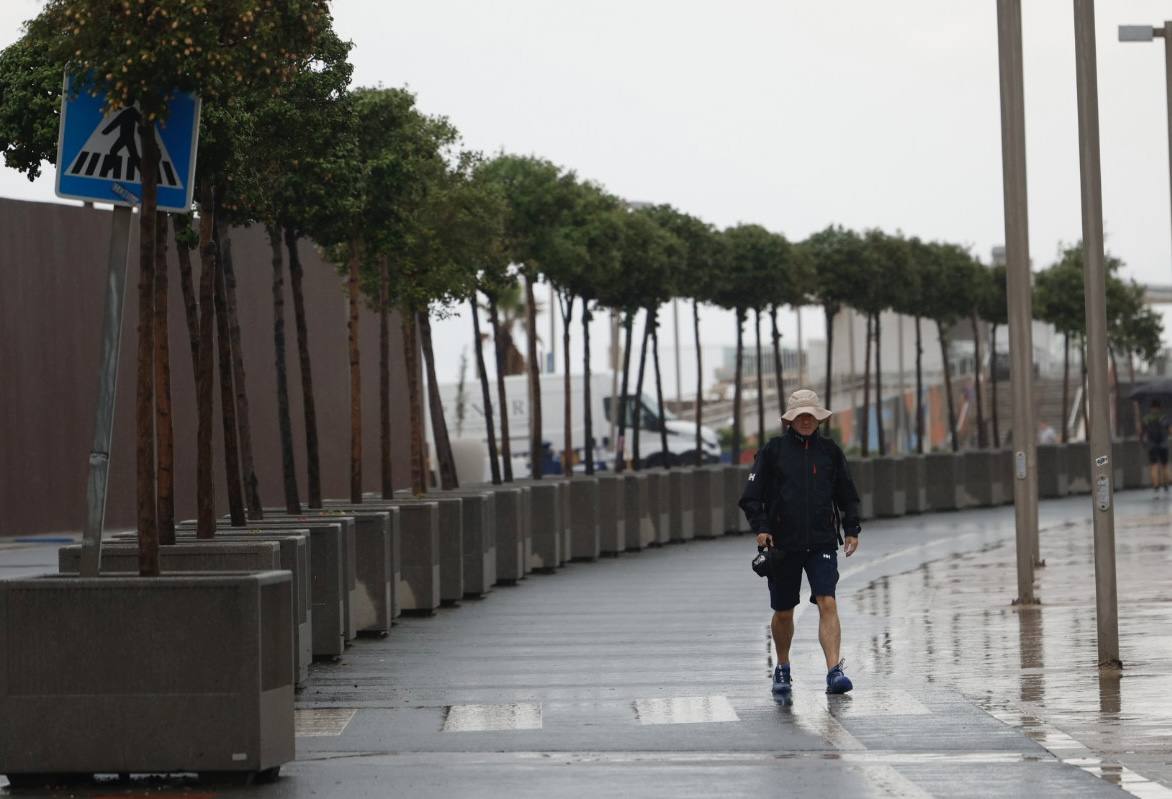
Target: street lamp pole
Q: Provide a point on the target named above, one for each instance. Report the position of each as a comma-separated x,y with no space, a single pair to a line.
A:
1094,279
1144,33
1019,294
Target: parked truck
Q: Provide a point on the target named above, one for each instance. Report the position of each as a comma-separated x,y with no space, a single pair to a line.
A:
464,413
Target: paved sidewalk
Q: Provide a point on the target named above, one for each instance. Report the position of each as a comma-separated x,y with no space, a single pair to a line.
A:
647,675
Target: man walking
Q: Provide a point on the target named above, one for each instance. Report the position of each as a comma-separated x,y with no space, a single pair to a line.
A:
1155,438
794,495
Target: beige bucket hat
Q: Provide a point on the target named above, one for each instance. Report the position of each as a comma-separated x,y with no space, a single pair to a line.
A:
804,401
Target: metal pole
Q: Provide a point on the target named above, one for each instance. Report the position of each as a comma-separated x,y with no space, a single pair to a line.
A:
1017,257
96,484
1094,279
1167,34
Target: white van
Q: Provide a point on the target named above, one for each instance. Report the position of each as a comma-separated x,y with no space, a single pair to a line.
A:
465,419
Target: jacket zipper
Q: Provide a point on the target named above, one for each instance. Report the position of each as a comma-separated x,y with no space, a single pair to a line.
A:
805,461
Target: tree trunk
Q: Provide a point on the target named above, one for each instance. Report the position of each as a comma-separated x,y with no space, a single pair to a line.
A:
699,382
227,392
205,380
164,428
665,454
414,404
384,381
587,414
981,442
485,393
879,390
439,425
1065,387
243,420
993,383
502,398
284,418
534,383
620,447
1115,399
943,331
355,379
760,381
919,389
778,367
830,313
1082,406
638,421
567,304
1134,403
865,419
736,434
180,223
312,456
148,530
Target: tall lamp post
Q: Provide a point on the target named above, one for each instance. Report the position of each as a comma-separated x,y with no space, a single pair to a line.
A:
1144,33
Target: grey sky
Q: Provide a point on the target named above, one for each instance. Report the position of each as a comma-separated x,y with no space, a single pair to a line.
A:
790,114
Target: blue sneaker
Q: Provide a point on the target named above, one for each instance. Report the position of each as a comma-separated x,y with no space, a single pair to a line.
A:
781,682
836,681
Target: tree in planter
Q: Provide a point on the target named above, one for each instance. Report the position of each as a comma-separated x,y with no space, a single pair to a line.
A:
539,194
697,269
994,309
948,286
835,254
1138,331
911,302
138,57
1059,301
884,267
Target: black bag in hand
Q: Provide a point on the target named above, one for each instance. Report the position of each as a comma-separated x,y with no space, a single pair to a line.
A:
767,559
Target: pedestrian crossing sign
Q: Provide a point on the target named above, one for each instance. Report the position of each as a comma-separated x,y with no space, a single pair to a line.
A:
98,154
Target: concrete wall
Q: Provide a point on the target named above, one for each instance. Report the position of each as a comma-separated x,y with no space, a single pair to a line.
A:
52,270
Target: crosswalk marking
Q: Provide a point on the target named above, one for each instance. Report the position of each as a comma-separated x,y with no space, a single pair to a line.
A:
493,718
685,710
322,722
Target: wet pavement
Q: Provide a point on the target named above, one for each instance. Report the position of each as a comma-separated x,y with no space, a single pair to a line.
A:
648,675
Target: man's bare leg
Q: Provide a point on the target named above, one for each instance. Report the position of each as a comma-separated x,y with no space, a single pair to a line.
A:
1157,473
782,627
829,630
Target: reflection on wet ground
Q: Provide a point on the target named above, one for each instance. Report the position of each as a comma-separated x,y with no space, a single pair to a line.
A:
951,622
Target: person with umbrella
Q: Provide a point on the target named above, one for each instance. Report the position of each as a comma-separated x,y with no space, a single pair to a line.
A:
1154,435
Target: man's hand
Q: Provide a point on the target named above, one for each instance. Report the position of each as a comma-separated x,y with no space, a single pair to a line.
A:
764,540
852,543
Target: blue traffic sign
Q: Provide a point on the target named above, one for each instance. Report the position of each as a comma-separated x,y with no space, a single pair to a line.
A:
98,154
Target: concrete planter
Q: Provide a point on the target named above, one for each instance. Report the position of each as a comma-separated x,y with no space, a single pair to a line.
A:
546,519
1077,455
180,673
479,526
585,543
1131,460
708,501
376,539
420,586
658,497
888,494
329,593
944,476
863,472
1052,479
636,511
983,481
681,512
294,558
612,519
1003,464
514,540
734,486
910,473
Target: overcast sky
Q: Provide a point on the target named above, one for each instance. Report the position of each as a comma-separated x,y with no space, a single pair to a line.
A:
791,114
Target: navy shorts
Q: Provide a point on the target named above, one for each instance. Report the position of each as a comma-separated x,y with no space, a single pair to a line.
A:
821,568
1158,455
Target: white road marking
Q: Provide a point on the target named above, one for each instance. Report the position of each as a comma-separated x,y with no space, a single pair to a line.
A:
322,722
685,710
493,718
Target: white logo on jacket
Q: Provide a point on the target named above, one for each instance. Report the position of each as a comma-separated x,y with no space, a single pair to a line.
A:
752,476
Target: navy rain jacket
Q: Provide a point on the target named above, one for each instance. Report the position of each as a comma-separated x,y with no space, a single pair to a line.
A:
791,493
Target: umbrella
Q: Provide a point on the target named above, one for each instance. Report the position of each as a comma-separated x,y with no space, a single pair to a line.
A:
1152,389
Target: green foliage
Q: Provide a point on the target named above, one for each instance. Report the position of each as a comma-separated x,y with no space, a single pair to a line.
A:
140,52
539,195
884,272
760,270
30,104
696,273
647,255
835,255
993,302
949,279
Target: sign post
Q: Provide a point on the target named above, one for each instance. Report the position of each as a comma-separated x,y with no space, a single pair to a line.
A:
98,160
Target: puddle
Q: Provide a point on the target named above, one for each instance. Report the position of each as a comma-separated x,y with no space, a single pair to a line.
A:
685,710
493,718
